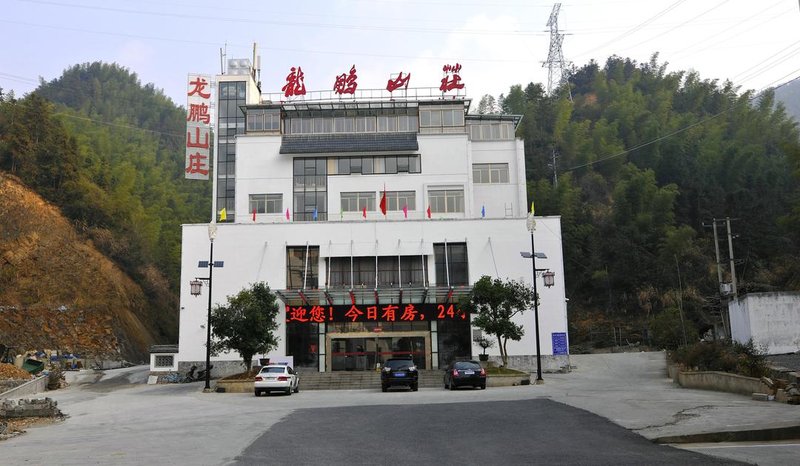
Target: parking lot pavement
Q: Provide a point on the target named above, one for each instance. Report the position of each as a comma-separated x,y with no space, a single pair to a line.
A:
116,419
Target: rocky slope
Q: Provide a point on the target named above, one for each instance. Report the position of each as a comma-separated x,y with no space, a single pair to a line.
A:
57,291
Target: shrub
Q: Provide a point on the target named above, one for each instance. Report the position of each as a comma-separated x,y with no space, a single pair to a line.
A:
666,329
744,359
751,360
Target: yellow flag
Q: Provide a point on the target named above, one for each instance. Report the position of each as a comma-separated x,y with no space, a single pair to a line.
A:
222,215
532,208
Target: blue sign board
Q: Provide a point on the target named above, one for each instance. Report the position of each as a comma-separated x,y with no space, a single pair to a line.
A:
560,343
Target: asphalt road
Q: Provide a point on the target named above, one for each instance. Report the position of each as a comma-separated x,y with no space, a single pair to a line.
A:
537,431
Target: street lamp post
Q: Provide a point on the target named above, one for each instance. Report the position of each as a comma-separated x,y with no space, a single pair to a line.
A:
212,233
195,289
531,224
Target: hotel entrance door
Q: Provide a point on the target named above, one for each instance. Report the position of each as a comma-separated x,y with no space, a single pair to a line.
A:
360,353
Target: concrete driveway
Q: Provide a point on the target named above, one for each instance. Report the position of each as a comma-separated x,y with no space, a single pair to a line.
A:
115,418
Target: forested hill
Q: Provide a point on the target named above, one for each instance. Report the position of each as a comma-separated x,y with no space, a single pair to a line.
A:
789,95
645,160
108,152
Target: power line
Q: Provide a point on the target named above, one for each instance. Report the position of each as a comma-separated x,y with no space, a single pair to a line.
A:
683,23
635,28
216,19
118,125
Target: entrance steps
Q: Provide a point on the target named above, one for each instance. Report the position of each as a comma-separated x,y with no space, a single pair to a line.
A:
359,380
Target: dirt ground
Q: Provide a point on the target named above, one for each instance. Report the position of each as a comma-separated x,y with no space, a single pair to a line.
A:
14,427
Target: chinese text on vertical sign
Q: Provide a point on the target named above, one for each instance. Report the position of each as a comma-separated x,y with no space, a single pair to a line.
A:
198,128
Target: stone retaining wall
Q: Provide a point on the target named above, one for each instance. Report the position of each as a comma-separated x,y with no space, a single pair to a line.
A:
37,385
721,382
42,407
527,363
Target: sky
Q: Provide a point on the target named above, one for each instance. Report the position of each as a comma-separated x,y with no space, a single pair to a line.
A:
499,43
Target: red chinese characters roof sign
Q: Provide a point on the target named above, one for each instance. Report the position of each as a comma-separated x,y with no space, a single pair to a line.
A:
198,124
347,83
452,78
374,313
295,83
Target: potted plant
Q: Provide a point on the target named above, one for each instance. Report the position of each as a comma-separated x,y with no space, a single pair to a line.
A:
484,343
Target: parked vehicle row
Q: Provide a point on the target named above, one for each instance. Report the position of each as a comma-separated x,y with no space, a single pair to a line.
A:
396,372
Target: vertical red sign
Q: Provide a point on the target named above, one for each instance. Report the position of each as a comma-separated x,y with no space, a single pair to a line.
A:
198,128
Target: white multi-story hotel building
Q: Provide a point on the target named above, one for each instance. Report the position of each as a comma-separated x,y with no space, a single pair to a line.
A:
301,182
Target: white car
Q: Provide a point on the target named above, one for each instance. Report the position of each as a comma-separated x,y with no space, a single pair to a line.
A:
276,377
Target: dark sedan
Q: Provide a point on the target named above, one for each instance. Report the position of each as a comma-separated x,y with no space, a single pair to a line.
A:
464,373
399,371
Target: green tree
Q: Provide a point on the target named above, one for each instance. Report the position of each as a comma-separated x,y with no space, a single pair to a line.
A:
495,302
246,324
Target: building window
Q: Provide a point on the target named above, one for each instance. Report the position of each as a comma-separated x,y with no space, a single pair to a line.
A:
347,123
391,271
452,266
231,121
492,173
310,189
263,120
356,202
302,273
446,200
491,131
378,165
266,203
396,200
429,118
164,360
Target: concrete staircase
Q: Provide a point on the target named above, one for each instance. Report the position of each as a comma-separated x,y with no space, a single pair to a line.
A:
359,380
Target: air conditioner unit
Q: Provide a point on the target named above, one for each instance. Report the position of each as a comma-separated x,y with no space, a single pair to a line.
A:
725,288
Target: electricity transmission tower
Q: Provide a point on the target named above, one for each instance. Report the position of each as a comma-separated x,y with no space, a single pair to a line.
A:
557,72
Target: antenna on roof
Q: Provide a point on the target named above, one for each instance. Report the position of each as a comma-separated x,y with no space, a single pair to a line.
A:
222,54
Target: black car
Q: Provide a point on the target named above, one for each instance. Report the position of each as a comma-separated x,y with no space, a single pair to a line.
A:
399,371
464,373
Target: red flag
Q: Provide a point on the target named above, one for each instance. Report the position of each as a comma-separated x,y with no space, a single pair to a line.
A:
383,201
429,211
254,214
365,212
405,211
287,214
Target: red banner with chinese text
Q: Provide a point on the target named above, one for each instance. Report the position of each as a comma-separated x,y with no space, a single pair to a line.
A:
375,313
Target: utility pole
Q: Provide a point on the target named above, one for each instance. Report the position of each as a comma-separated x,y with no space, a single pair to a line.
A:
716,249
555,170
725,293
730,254
557,73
